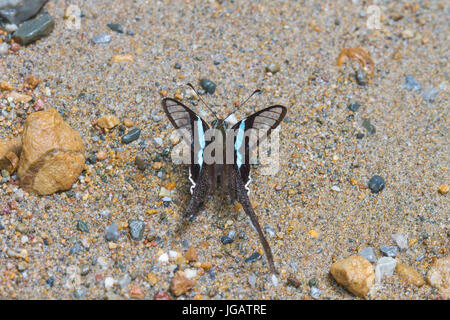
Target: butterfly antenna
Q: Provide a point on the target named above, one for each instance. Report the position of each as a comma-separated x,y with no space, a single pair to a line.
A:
245,101
212,111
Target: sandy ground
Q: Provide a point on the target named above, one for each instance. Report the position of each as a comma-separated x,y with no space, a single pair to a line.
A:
230,43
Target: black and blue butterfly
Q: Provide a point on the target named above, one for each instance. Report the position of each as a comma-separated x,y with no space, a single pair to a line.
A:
232,178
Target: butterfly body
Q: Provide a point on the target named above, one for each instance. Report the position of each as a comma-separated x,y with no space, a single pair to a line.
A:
227,168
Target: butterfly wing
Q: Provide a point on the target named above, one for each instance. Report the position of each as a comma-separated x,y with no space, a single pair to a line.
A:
263,122
192,128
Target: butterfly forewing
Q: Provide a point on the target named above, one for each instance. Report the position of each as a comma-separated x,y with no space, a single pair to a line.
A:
192,129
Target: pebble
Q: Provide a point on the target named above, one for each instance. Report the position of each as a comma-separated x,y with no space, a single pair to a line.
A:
131,136
400,240
22,266
190,273
439,276
389,251
180,284
34,29
80,293
10,27
164,258
100,156
315,292
19,11
102,38
273,68
112,232
226,240
140,163
368,126
251,280
109,282
291,281
368,253
255,256
359,135
124,281
116,27
81,226
443,189
430,94
411,83
355,273
376,184
354,106
336,188
409,274
385,267
208,85
108,122
136,292
3,48
191,254
161,295
360,78
137,228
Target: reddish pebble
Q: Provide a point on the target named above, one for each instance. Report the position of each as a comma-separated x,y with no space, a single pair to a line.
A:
39,105
15,47
161,295
136,292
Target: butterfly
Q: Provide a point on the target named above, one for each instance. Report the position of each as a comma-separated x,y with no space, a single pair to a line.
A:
232,178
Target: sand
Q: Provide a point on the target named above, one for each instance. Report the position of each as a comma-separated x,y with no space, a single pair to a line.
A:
319,148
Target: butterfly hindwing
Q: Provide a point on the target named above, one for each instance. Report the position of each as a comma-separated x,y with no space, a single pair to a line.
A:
264,122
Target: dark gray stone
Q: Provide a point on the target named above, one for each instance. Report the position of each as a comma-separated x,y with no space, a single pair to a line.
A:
34,29
354,106
255,256
208,85
131,136
368,126
389,251
18,11
376,184
368,253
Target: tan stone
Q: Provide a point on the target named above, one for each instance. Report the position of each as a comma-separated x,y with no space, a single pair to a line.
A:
108,122
52,154
9,151
409,274
180,284
439,276
191,254
19,97
355,273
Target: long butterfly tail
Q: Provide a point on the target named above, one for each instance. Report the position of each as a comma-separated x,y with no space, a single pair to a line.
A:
243,199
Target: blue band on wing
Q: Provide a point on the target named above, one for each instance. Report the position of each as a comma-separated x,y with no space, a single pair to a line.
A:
201,138
238,143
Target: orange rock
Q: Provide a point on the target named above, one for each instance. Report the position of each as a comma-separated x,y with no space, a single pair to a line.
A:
191,254
180,284
123,58
355,273
32,82
409,274
358,54
5,86
9,151
107,122
52,154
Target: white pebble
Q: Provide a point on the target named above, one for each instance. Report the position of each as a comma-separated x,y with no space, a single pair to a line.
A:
109,282
3,48
164,258
400,240
274,280
385,267
173,254
336,188
190,273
